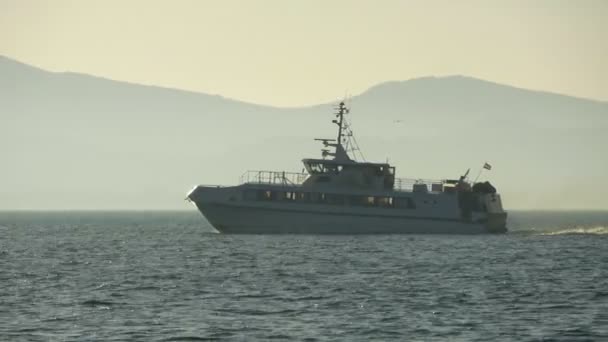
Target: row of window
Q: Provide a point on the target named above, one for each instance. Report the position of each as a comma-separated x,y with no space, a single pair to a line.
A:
379,170
324,198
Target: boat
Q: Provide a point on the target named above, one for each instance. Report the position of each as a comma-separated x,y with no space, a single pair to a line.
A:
337,194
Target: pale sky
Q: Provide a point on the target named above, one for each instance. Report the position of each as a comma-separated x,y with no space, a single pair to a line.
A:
292,53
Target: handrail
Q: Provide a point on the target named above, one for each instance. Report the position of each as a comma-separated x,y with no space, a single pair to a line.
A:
411,184
272,177
295,179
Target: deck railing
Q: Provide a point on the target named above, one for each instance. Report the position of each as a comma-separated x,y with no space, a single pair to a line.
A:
410,184
273,177
294,178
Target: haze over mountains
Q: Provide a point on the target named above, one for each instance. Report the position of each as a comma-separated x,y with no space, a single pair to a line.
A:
73,141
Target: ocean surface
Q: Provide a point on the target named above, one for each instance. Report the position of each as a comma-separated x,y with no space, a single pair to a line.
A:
166,276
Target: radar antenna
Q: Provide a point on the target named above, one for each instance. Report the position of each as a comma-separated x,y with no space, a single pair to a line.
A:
345,140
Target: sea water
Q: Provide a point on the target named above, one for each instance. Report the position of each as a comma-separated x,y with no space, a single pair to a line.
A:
167,276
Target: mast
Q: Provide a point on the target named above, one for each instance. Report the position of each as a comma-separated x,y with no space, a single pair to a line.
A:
340,153
340,114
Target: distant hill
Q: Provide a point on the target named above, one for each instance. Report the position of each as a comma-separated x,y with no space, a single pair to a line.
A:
74,141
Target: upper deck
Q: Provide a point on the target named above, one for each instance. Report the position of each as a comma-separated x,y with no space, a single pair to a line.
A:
265,177
342,174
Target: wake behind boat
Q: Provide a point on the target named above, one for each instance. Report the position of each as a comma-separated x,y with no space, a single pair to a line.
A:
344,196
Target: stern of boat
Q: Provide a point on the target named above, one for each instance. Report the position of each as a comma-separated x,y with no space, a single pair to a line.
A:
496,217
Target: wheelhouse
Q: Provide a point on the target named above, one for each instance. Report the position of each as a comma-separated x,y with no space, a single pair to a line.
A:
376,176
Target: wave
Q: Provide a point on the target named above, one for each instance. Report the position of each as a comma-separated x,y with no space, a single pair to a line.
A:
548,231
599,230
95,302
190,338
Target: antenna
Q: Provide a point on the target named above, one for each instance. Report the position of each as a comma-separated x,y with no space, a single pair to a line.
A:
345,141
340,114
325,141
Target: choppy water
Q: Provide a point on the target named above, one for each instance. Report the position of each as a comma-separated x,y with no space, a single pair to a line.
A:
165,277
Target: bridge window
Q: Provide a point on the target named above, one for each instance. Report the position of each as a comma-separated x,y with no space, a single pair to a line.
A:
315,168
330,168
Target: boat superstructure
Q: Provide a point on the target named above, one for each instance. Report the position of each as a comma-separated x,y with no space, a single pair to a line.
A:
339,195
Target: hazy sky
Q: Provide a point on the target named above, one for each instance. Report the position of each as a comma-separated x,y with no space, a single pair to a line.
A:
290,53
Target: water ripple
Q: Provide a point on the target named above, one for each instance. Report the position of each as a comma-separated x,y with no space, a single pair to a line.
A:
159,277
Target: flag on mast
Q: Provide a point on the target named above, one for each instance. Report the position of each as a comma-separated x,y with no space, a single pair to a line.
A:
487,166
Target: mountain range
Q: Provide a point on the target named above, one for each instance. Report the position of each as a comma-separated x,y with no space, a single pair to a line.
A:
75,141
